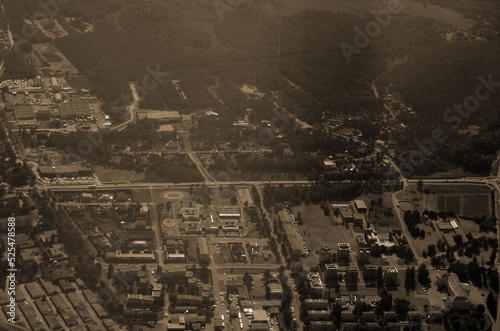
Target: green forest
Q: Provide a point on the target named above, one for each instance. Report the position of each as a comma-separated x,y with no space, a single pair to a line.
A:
296,57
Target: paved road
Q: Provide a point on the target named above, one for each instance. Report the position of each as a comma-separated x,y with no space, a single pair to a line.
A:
128,185
131,109
192,155
404,228
295,300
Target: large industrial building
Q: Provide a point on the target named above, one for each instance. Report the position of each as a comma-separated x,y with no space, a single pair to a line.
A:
24,112
74,110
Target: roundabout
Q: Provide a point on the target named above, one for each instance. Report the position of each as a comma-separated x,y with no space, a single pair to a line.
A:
168,223
173,195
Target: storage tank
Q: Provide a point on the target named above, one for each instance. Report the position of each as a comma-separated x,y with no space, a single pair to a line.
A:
53,81
58,97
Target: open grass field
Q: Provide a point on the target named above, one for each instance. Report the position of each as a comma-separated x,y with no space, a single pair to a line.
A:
318,230
106,224
476,205
51,57
173,195
470,200
47,58
458,188
222,197
470,205
381,222
139,234
453,203
431,237
116,175
441,202
141,196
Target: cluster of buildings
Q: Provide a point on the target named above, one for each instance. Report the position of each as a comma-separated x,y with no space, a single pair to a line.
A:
148,299
449,229
66,111
44,99
23,222
353,213
174,250
225,221
68,305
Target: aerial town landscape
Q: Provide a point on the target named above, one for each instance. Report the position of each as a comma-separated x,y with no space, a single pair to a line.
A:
231,165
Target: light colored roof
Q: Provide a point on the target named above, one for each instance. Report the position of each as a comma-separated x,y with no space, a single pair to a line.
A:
259,315
166,128
360,204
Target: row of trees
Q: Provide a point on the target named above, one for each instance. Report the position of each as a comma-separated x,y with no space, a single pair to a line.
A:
316,193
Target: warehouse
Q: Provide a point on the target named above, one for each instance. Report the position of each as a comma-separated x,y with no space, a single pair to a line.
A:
24,112
228,212
34,290
74,110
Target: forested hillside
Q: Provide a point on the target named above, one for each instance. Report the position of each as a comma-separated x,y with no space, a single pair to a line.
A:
297,55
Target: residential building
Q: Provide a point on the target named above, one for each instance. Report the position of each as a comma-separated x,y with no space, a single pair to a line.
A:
364,255
391,276
344,250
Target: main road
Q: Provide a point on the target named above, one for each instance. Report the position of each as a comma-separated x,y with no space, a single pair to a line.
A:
132,185
192,155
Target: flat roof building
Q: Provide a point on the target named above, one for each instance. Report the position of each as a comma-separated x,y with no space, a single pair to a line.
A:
331,272
344,249
360,206
364,255
351,275
346,214
74,109
24,112
145,256
140,300
316,284
167,116
391,276
229,212
34,290
49,287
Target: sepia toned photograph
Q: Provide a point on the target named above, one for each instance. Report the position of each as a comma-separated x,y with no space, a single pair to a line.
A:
249,165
